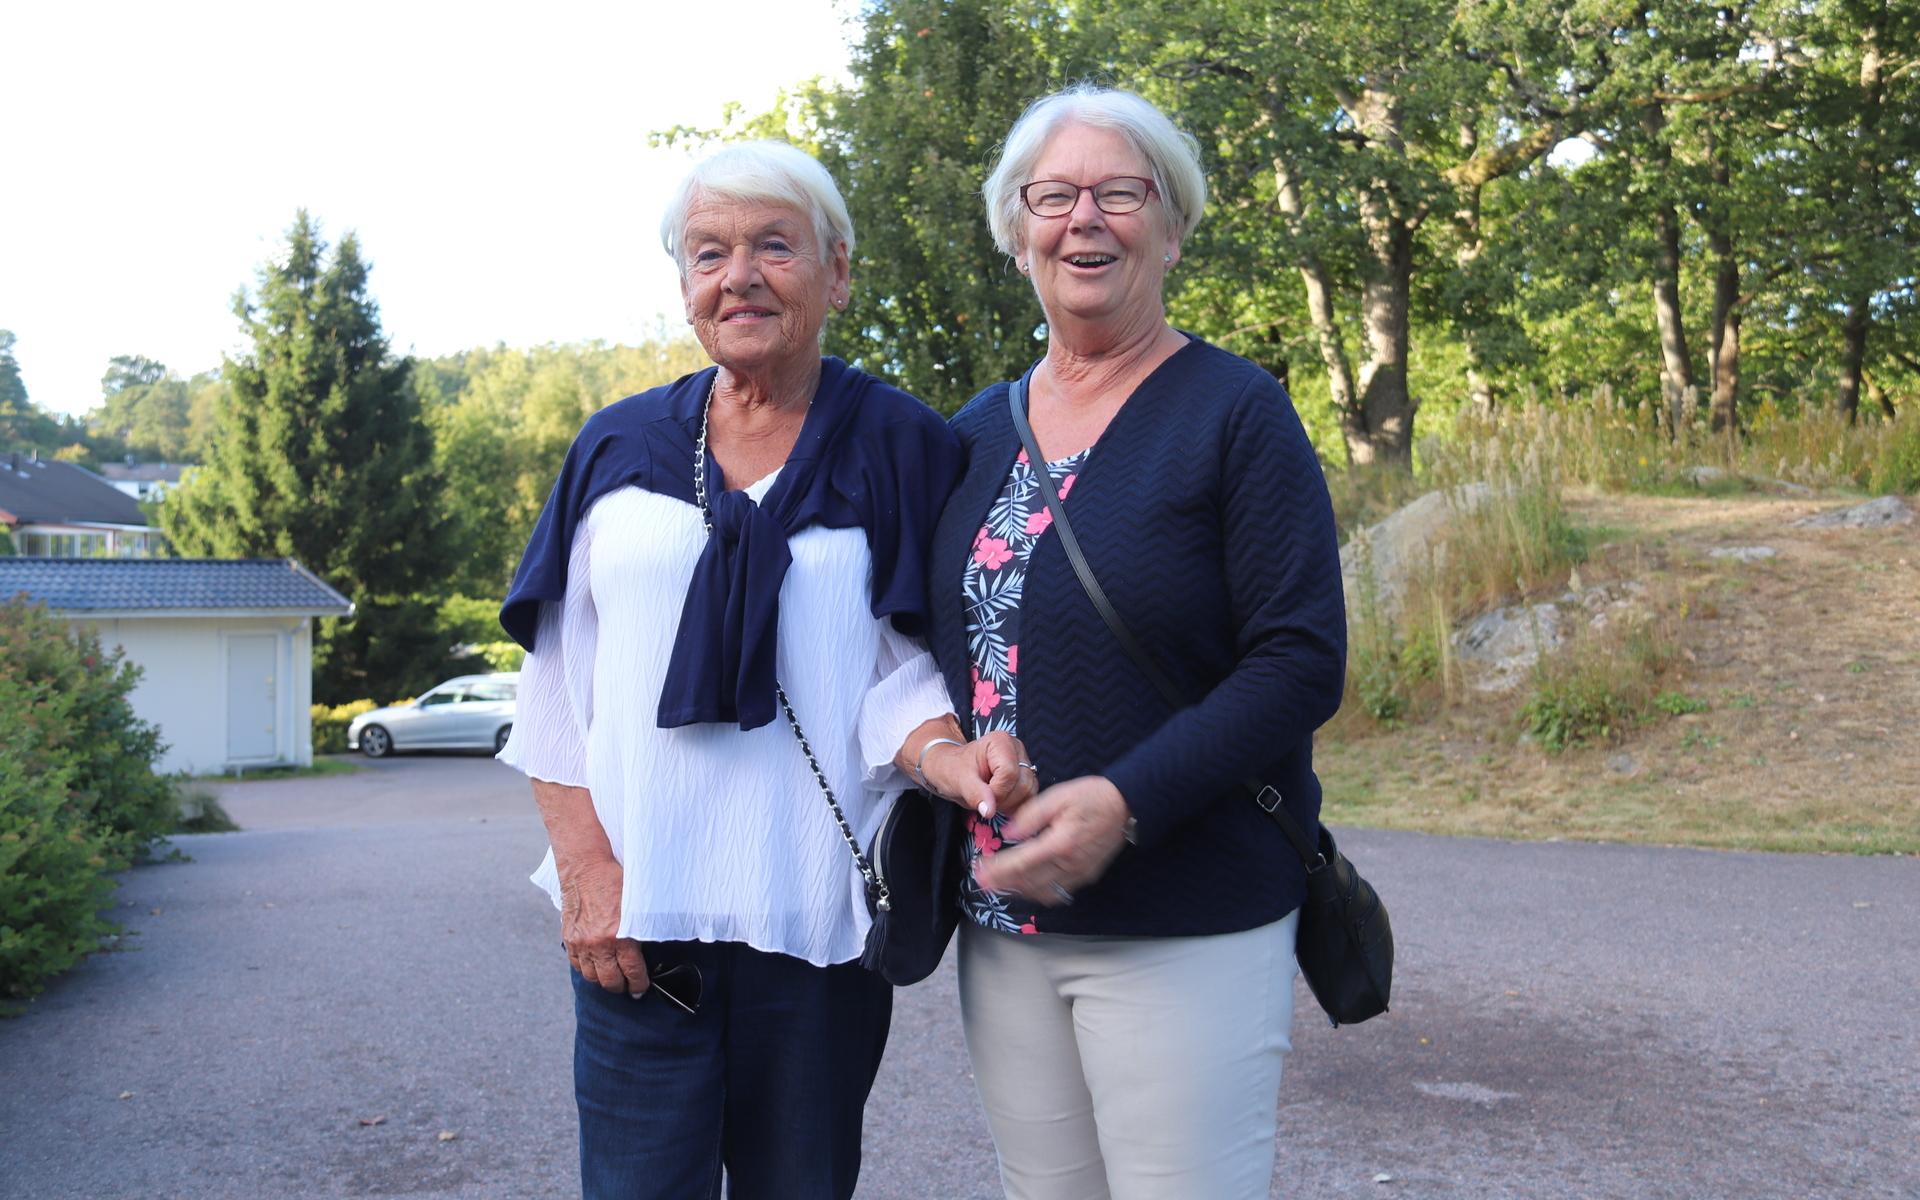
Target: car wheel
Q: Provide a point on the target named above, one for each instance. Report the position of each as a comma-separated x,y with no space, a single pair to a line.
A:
375,742
500,738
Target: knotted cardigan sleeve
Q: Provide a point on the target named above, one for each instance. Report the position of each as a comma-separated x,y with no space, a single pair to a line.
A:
1282,568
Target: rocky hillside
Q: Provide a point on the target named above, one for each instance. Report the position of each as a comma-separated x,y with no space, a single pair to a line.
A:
1784,712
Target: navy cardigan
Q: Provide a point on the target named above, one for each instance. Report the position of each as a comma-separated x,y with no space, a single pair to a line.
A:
1204,514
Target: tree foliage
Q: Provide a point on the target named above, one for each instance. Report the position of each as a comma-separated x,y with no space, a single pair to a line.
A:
149,413
1421,205
23,425
502,420
322,455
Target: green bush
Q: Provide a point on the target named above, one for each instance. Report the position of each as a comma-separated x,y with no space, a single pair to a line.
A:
109,749
1576,711
54,865
330,724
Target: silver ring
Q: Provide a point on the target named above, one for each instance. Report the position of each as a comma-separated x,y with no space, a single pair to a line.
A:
1027,766
1066,897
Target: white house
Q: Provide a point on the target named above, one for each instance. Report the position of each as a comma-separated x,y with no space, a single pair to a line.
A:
226,646
144,481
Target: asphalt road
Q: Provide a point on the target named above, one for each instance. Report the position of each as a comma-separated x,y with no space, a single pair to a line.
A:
311,1007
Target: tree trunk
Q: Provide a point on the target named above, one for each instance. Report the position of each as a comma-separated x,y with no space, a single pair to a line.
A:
1859,322
1467,218
1853,355
1879,396
1383,432
1724,340
1387,407
1333,349
1677,368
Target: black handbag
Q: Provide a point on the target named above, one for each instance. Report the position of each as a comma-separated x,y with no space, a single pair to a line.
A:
1344,944
912,872
912,869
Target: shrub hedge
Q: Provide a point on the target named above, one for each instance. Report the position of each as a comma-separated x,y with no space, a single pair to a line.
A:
330,724
79,799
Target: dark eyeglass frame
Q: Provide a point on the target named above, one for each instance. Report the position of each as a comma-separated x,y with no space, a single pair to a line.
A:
1147,191
679,985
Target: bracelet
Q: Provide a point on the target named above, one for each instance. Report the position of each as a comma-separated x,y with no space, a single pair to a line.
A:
919,763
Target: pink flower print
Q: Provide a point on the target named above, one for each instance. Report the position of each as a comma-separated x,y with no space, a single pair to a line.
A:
1038,520
1013,660
1028,927
992,553
1021,458
984,838
980,537
985,698
1066,485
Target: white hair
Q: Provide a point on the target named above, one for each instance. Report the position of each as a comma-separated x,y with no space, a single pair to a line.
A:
1173,157
764,172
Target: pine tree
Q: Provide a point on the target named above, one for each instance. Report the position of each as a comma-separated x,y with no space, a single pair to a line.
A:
322,455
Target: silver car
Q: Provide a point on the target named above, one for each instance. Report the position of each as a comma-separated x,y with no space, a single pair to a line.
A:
473,712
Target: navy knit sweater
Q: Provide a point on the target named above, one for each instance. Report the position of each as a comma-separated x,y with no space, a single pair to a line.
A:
1204,514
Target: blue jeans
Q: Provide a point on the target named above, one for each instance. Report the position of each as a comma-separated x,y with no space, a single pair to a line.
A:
768,1079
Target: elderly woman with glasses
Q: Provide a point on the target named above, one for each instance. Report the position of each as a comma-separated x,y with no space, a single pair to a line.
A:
728,564
1127,947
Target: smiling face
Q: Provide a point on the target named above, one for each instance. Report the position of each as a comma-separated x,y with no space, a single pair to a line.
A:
1088,265
756,282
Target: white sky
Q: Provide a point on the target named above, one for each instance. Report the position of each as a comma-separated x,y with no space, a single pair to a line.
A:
492,158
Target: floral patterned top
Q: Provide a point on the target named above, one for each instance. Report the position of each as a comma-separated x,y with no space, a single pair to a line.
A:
991,587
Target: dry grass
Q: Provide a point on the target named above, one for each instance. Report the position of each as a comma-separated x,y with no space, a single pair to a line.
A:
1809,664
1621,449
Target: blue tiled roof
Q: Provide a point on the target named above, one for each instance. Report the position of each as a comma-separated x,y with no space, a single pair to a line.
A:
148,584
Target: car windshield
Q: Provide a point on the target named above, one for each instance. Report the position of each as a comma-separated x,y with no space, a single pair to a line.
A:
446,695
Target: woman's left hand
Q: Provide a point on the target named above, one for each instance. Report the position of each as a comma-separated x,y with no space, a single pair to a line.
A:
1068,835
987,775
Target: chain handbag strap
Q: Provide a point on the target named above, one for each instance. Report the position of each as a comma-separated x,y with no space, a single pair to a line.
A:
876,882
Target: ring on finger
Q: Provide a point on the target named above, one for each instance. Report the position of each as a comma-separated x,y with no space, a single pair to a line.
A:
1027,766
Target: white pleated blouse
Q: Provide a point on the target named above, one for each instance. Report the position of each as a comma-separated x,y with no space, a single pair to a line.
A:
723,833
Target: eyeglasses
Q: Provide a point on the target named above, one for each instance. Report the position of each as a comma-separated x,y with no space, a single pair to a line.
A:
1057,197
678,985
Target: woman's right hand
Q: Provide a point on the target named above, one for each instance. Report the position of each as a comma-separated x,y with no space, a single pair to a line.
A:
590,923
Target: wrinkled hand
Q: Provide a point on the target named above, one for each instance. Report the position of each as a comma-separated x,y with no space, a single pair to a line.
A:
984,776
589,921
1068,836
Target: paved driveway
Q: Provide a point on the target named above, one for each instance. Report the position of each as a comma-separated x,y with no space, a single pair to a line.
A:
1570,1021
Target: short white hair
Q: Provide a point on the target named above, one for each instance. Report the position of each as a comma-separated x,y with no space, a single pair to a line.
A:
1173,157
763,172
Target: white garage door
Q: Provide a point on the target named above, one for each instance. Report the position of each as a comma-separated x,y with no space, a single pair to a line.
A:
253,701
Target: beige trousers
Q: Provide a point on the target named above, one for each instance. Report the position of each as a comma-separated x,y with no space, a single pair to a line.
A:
1116,1068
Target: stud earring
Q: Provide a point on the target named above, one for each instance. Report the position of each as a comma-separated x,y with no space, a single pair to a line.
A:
1169,260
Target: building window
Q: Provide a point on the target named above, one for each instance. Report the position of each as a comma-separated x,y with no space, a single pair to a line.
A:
64,545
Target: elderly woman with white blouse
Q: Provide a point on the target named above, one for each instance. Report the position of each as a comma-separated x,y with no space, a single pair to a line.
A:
748,537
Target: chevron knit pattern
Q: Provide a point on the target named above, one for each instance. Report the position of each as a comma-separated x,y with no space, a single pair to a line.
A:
1205,516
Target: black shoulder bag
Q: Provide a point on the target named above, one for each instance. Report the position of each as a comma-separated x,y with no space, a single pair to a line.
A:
1344,944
